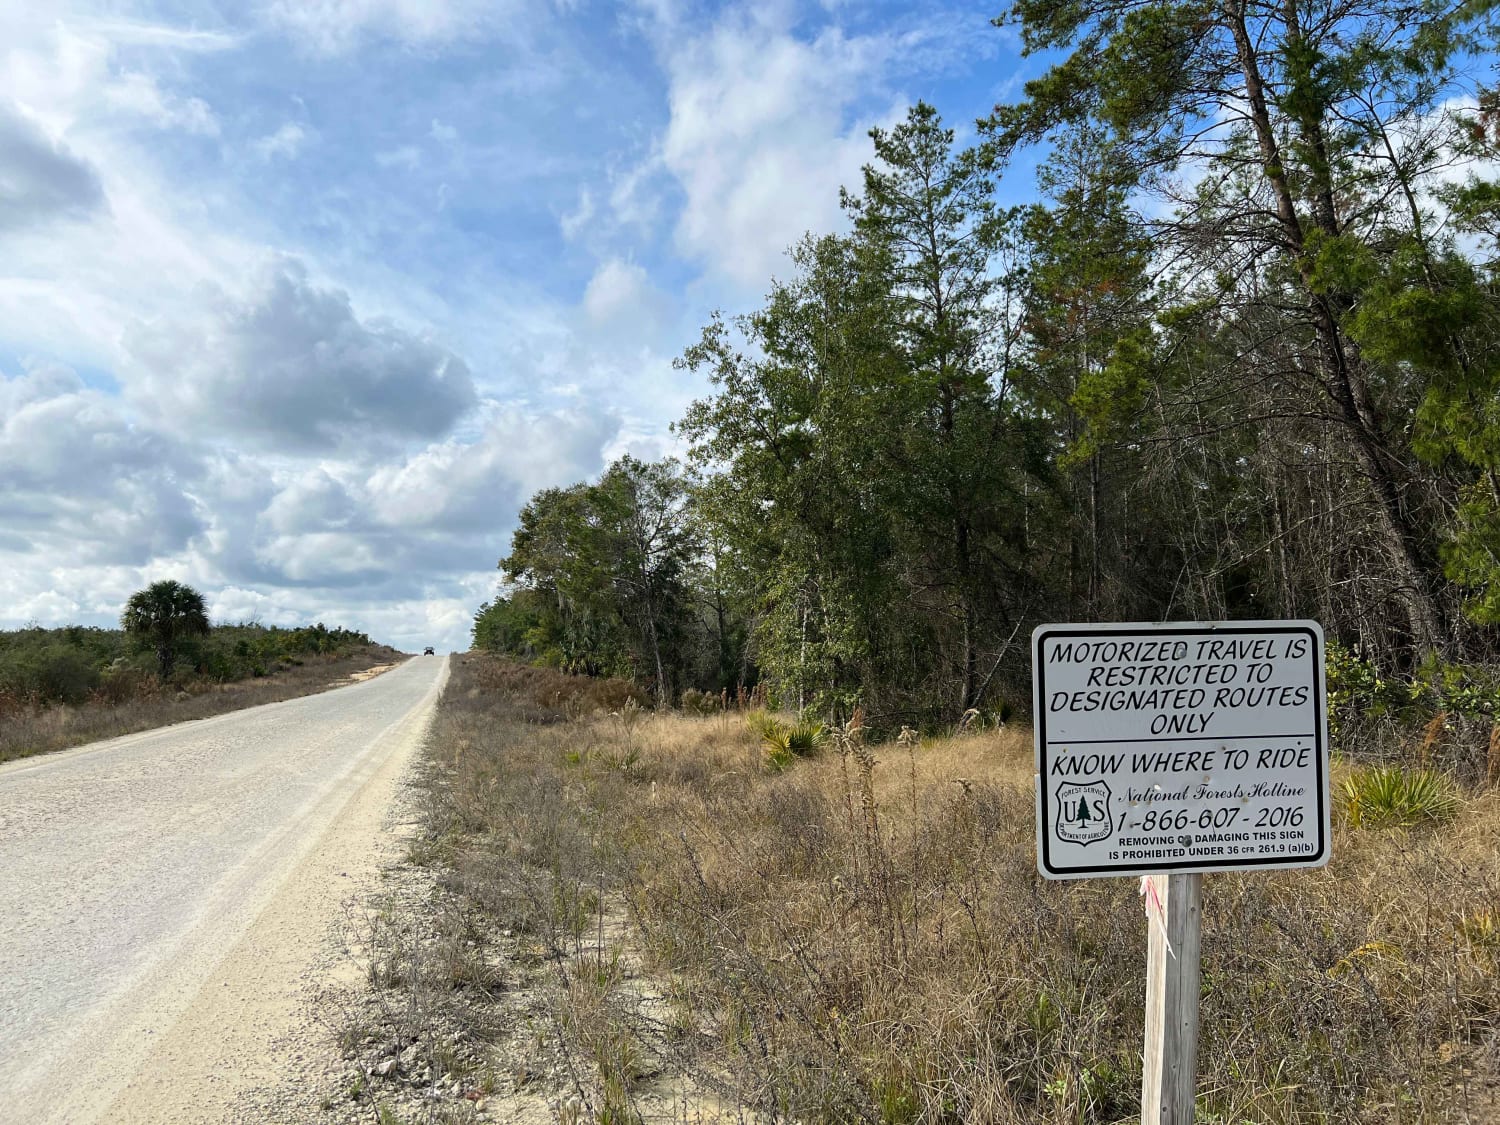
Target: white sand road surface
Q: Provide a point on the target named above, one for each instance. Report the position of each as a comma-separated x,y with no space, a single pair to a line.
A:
160,894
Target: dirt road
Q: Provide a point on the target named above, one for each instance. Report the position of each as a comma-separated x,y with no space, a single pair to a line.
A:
159,894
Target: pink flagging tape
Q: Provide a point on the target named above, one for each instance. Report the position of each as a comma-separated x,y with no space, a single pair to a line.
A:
1156,911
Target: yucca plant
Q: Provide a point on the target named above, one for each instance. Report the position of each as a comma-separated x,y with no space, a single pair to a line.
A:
775,737
778,757
785,742
806,738
1391,797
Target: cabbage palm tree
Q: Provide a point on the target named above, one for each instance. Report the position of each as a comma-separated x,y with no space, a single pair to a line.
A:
162,616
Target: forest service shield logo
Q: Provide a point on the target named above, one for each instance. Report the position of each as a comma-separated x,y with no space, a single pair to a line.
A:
1083,813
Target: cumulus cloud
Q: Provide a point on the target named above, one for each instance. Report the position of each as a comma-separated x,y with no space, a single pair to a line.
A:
83,481
290,366
473,486
615,290
406,523
41,178
312,501
96,501
765,127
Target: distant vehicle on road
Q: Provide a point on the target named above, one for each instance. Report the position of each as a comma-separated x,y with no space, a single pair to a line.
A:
427,651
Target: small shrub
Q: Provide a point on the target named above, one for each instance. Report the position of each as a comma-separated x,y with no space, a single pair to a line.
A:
778,757
775,737
695,702
1480,931
1391,797
803,738
764,726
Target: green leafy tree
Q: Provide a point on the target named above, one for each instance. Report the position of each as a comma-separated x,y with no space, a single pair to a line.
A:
164,617
558,554
800,443
599,578
864,462
509,625
1087,361
642,509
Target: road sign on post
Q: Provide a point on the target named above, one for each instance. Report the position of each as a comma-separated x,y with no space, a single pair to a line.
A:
1165,751
1187,747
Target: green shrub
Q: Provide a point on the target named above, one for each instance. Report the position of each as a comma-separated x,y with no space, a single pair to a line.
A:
123,680
1391,797
74,663
48,673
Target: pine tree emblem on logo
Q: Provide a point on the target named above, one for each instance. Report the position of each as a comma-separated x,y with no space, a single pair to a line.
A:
1083,813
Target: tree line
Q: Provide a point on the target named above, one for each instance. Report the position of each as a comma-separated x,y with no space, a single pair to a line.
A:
1236,359
165,638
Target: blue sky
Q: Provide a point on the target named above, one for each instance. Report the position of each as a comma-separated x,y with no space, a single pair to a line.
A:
300,301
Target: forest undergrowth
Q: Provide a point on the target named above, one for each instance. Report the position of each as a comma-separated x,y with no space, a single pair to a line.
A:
857,932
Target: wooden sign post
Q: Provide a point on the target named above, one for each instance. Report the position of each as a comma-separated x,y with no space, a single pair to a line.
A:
1165,751
1169,1077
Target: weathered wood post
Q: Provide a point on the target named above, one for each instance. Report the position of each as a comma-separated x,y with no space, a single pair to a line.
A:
1170,1077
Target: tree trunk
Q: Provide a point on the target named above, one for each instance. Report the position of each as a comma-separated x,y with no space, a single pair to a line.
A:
1343,375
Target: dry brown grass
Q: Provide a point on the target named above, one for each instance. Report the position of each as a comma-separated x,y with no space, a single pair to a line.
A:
27,729
863,936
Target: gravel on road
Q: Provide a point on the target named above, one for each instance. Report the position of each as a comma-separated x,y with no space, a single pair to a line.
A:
160,894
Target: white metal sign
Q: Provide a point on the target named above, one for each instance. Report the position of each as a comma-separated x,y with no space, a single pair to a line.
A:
1180,747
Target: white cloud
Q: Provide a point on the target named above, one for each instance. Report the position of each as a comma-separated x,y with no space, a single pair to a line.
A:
138,93
99,501
444,134
635,192
616,289
572,223
83,481
286,142
141,33
332,26
765,127
407,156
469,486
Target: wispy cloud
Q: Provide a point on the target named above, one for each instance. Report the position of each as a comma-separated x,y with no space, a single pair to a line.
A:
285,143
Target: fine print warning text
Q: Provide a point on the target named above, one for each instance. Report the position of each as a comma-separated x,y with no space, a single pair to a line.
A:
1184,747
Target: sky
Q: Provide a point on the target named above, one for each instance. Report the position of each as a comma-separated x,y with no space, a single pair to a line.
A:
301,300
